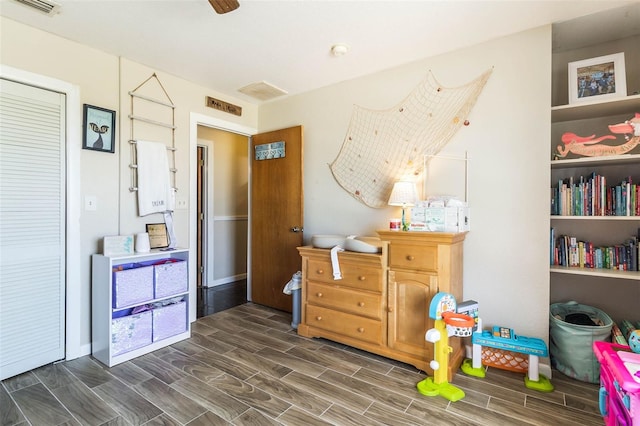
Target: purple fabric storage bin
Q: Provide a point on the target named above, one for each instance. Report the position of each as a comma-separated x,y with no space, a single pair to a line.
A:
169,320
171,278
131,332
132,285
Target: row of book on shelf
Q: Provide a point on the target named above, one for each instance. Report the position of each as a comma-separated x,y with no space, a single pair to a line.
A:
567,250
591,197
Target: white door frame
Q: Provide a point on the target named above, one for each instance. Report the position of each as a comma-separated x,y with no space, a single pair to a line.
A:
72,238
195,120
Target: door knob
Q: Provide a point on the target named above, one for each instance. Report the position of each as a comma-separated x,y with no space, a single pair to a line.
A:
297,229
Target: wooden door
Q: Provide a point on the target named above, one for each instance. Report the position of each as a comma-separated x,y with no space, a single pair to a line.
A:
409,296
276,215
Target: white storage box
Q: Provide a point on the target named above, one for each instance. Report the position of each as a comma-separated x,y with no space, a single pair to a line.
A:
132,284
170,278
440,219
169,320
131,332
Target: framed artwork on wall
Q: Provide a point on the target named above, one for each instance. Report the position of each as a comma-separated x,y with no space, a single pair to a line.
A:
597,79
99,129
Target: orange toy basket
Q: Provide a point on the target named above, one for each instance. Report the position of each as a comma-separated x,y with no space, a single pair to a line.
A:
505,360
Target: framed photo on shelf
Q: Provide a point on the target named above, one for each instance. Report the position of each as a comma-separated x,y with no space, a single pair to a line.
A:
597,79
99,125
158,237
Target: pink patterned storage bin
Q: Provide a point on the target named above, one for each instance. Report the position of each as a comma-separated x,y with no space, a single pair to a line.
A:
170,278
169,320
131,332
132,284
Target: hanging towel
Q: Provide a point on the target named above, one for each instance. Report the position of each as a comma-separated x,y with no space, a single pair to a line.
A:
337,275
155,194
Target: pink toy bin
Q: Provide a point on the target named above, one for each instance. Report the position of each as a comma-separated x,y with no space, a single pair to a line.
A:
619,384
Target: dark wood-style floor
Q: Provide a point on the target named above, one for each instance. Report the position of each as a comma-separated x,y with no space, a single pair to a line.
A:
221,297
246,366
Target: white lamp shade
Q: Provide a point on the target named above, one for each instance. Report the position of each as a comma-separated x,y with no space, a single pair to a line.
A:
403,194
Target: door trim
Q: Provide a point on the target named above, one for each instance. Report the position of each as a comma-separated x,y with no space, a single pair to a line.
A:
73,311
195,120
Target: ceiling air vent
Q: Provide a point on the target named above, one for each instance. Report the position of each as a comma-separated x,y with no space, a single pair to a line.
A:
262,91
47,7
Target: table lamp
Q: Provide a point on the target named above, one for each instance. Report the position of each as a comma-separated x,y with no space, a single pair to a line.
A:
403,194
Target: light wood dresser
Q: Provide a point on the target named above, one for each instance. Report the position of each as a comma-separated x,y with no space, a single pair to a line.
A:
381,304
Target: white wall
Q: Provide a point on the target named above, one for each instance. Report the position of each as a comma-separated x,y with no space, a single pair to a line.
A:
105,80
505,265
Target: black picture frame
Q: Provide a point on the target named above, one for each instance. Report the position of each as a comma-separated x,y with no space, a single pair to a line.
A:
99,129
158,235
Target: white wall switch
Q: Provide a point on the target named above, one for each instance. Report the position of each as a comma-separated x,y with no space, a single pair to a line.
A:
181,203
90,203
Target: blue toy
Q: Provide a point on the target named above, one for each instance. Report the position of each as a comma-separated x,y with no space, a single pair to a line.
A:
447,323
506,339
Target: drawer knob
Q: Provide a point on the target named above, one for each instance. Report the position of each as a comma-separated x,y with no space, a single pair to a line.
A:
360,330
389,309
319,294
410,257
361,304
362,278
318,318
320,271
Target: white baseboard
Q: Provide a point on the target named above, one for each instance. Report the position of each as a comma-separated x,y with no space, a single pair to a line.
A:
226,280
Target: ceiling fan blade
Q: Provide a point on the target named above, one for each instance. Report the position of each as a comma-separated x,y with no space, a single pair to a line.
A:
224,6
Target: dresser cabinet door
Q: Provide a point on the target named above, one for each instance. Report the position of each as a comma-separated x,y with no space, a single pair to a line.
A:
409,298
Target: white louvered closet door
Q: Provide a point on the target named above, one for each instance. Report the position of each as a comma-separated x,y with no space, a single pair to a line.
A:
32,227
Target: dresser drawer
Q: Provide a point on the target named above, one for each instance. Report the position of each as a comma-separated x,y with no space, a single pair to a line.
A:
344,299
355,276
410,256
365,329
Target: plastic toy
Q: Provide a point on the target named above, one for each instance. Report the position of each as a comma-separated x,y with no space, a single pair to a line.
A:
447,323
631,334
619,398
505,339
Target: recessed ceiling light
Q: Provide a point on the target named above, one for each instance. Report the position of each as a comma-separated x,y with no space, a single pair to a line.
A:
339,49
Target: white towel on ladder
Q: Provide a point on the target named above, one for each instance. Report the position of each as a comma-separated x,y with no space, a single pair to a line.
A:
155,194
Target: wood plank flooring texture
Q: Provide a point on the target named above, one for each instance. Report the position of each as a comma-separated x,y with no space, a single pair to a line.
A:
246,366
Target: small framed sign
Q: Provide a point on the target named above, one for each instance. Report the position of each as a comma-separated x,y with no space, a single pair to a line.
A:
158,236
269,151
597,79
117,244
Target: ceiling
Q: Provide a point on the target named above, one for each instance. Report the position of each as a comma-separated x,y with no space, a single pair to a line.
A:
287,43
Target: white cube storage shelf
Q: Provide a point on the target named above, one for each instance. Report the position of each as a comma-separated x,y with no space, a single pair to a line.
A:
156,285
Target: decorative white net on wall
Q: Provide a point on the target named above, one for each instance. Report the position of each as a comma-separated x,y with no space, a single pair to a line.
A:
382,147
